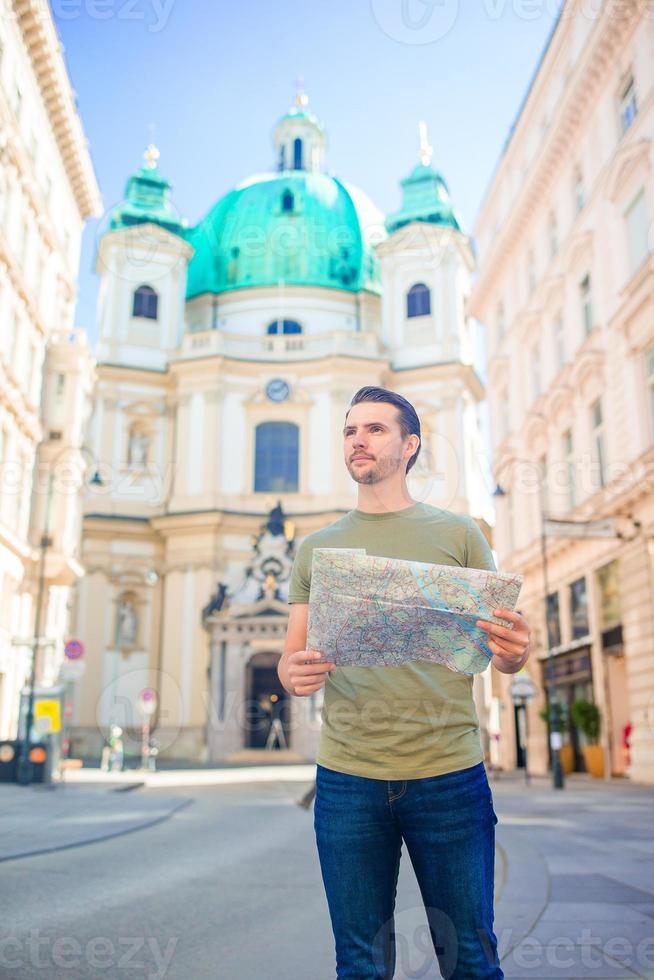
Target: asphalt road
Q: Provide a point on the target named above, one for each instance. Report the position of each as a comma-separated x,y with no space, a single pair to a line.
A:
228,887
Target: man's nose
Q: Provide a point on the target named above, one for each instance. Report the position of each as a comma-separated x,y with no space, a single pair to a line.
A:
358,440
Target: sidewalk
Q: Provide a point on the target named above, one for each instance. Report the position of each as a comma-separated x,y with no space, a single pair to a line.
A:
35,819
578,895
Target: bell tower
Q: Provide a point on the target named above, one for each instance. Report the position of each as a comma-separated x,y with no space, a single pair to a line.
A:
142,262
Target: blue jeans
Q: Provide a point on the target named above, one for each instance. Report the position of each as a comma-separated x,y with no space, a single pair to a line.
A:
448,825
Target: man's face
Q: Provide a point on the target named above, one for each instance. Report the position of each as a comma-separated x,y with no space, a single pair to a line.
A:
373,447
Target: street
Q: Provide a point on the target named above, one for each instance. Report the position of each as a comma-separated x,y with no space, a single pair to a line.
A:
229,886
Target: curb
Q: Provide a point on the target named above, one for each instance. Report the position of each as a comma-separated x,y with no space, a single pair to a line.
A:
525,889
143,825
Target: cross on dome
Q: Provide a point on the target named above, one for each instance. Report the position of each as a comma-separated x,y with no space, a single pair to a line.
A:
150,157
301,97
426,150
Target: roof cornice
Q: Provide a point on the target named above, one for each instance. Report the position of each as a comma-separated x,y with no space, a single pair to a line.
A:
571,114
45,51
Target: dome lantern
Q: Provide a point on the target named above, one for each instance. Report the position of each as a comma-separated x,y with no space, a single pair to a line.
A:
147,198
425,195
299,138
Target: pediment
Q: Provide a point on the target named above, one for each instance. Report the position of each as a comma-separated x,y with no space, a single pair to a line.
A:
627,162
580,249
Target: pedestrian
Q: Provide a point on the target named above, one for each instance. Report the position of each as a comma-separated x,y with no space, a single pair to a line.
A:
400,758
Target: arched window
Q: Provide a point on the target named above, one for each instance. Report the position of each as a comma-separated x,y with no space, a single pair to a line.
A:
146,303
418,300
282,158
283,326
297,154
288,201
276,457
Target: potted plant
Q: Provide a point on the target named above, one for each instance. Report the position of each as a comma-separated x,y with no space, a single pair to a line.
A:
587,719
566,752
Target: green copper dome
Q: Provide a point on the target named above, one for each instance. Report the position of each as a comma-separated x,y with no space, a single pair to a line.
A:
425,197
147,199
302,228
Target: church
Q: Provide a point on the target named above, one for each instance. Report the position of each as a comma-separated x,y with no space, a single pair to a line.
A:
227,356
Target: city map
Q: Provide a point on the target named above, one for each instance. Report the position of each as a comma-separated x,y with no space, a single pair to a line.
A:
370,611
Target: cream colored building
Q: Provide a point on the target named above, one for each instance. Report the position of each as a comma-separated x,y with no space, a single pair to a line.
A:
227,355
47,190
566,291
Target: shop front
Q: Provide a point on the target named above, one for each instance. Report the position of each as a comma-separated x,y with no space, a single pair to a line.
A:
567,677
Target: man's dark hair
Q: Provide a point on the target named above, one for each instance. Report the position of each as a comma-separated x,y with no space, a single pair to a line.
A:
407,415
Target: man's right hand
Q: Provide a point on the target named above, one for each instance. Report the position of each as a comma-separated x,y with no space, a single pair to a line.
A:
304,675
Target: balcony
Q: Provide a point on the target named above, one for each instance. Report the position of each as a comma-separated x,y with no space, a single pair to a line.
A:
280,347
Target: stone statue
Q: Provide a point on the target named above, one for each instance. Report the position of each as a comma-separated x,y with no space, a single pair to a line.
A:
138,449
217,601
127,622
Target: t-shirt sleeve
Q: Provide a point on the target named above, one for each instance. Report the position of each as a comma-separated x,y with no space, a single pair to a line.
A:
300,583
478,552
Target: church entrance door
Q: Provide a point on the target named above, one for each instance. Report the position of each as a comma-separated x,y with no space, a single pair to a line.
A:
267,705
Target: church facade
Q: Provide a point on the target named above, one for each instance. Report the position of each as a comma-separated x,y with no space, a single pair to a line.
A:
227,355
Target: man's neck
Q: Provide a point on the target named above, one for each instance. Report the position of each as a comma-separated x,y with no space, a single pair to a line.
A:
377,499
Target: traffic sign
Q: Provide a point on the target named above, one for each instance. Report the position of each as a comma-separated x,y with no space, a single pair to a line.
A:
72,670
148,701
74,649
47,715
522,688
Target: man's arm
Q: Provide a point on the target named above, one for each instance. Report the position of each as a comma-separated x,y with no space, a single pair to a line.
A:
299,676
510,646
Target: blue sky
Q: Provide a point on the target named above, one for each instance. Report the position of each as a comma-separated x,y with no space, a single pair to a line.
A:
214,78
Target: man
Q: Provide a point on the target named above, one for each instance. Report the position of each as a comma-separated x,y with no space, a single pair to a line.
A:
400,757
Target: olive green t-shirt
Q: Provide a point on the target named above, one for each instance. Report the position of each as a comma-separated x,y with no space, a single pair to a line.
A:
418,719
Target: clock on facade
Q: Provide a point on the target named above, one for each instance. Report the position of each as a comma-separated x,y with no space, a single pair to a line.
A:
278,390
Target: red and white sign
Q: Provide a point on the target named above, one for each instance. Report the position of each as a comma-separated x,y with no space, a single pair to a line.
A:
74,649
148,701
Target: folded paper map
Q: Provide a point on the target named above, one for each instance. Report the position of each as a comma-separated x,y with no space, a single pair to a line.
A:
370,611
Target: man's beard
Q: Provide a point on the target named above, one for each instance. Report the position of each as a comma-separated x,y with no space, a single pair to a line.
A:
376,472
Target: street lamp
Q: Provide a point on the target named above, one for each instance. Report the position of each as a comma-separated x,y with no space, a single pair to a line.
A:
25,768
555,726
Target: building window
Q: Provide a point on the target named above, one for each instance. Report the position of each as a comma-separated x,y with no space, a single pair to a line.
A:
553,230
282,158
610,614
553,621
500,319
636,224
418,300
297,155
531,271
503,413
276,457
568,450
559,342
283,326
597,423
543,486
510,520
146,303
649,374
586,304
628,105
536,387
579,191
288,201
579,609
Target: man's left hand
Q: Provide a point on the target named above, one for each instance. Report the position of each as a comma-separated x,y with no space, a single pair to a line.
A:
510,645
